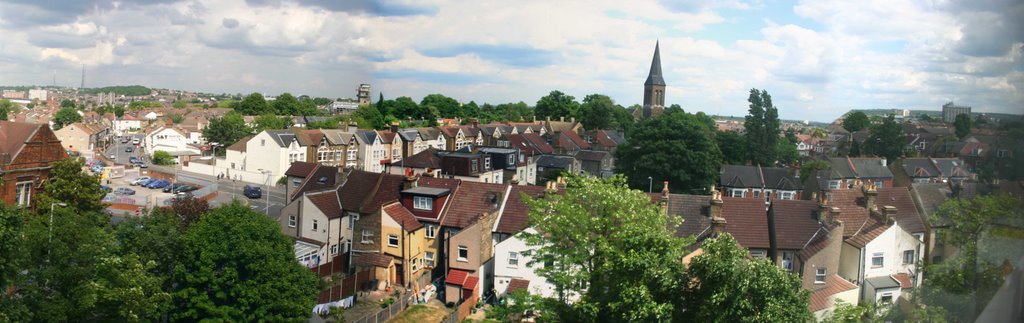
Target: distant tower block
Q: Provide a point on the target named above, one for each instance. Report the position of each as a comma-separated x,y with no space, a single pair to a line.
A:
364,94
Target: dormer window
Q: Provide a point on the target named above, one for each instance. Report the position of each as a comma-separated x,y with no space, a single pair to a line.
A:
422,203
487,163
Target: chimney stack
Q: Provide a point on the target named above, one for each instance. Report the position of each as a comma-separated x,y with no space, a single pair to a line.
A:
718,225
409,181
888,213
394,127
352,127
870,195
716,204
664,198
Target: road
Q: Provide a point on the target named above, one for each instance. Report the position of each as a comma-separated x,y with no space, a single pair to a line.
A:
227,190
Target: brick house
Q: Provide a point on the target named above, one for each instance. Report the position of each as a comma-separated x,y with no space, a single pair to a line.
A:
27,151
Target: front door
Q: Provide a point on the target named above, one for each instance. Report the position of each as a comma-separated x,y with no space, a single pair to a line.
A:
399,273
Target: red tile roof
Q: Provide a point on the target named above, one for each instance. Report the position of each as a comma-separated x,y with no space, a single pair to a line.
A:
402,215
859,227
309,137
240,144
539,142
300,169
906,216
373,259
456,277
795,222
575,139
386,136
824,298
515,216
471,200
747,221
13,136
604,140
517,284
326,202
470,282
904,280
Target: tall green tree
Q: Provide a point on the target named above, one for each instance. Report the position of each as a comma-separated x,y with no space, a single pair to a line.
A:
119,111
677,147
856,121
725,285
253,105
733,146
12,260
446,107
597,112
885,139
68,184
963,124
157,238
65,116
237,266
6,108
285,105
612,247
368,117
762,128
271,122
556,105
226,130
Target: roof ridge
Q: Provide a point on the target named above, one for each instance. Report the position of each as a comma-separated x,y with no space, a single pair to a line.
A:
304,181
373,193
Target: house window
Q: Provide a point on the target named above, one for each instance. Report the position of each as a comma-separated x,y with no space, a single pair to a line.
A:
513,259
316,225
487,163
786,195
263,142
819,275
291,221
877,260
878,184
415,263
396,154
833,184
737,192
474,166
908,257
757,193
431,231
511,159
429,257
757,253
1001,153
422,203
351,154
23,192
367,237
334,249
886,298
463,253
322,156
767,195
392,240
787,260
292,157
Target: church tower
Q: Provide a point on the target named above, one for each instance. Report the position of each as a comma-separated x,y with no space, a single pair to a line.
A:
654,88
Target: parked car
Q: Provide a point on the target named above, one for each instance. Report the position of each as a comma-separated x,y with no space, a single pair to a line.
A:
142,165
253,192
180,196
134,160
174,188
187,189
129,149
159,184
113,156
125,140
124,191
139,180
148,181
106,188
135,141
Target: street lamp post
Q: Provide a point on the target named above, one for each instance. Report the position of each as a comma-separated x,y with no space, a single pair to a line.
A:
650,184
266,185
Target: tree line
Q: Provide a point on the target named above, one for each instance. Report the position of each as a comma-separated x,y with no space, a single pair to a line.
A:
64,260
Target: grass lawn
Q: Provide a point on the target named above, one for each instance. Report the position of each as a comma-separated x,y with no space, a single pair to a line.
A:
484,321
420,314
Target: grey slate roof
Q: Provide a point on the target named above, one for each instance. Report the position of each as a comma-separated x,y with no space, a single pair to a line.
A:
752,176
409,135
883,282
366,136
695,211
920,168
952,167
928,196
845,167
654,77
551,161
283,138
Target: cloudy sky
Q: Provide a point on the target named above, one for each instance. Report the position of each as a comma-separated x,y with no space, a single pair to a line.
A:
817,58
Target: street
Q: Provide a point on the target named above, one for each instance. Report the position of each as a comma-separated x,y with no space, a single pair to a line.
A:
226,189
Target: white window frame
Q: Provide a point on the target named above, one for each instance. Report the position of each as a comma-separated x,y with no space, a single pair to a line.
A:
758,253
513,259
431,231
786,195
819,275
292,220
334,249
881,257
742,192
833,184
474,166
463,249
912,257
787,260
390,238
23,193
487,163
415,264
511,160
429,258
879,185
316,225
884,296
367,237
422,203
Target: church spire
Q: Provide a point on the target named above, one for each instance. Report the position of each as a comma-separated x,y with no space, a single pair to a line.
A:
654,77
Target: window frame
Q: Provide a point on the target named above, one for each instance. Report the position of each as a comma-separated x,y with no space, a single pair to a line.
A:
395,238
422,203
462,250
912,256
431,231
293,221
429,258
820,274
23,193
513,259
881,260
366,237
316,225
